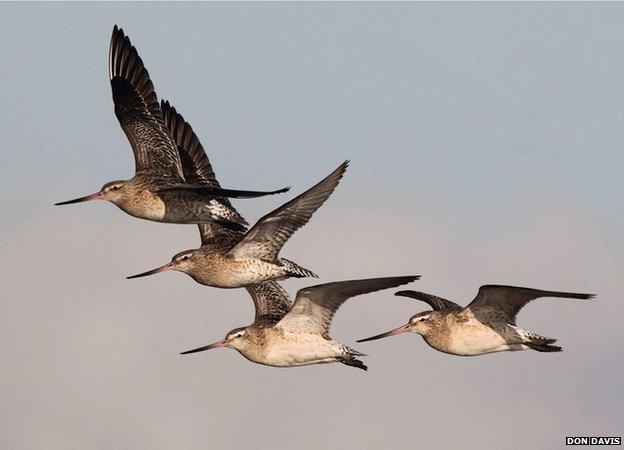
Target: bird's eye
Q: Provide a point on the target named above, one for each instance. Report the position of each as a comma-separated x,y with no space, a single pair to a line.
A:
115,188
238,335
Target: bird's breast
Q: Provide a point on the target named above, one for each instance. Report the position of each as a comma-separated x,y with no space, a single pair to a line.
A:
145,205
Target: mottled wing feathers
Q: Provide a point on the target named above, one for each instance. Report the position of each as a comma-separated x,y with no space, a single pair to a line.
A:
436,303
511,299
315,306
136,108
265,239
271,301
195,163
198,171
211,232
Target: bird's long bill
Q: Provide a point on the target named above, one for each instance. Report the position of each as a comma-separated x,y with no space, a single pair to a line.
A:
164,268
86,198
222,343
403,329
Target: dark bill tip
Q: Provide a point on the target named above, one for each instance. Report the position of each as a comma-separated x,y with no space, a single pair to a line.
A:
86,198
205,347
152,272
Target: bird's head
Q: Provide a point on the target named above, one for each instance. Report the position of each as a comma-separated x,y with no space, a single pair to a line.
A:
114,191
422,322
237,338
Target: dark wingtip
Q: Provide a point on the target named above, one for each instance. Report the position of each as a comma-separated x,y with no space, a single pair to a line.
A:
577,296
277,191
403,293
117,31
414,277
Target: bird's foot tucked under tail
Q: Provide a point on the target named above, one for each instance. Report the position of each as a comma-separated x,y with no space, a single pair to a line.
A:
540,343
295,270
543,347
352,352
353,363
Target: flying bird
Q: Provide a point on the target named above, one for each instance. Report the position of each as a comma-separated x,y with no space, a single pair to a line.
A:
486,325
230,258
158,191
285,336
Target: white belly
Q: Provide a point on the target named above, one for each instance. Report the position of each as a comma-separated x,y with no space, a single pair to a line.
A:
300,350
480,339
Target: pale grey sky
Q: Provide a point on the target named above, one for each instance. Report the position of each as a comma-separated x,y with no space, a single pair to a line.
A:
486,145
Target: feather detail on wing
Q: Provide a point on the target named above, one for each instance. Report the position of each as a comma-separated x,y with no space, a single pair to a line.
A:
271,302
265,239
511,299
137,110
199,172
315,306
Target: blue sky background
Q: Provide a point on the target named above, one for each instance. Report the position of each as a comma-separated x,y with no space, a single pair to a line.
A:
486,145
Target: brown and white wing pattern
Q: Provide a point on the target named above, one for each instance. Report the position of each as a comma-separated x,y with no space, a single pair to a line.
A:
271,301
315,306
195,163
265,239
511,299
137,110
436,303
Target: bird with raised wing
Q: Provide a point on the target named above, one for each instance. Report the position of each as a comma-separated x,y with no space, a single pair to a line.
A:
231,261
158,191
486,325
285,336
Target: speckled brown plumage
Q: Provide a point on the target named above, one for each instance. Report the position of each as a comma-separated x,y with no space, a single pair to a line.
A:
230,259
486,325
159,190
300,336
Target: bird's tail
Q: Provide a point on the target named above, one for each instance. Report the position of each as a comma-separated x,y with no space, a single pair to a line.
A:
296,271
539,343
